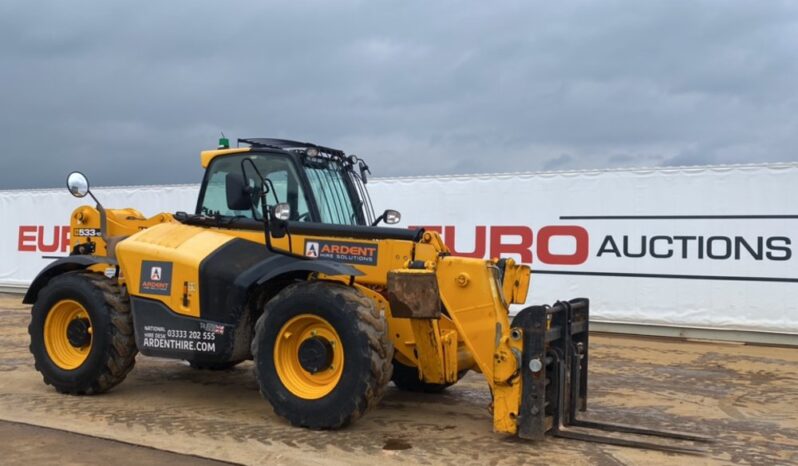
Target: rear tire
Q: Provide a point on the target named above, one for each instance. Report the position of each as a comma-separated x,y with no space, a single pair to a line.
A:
108,350
347,354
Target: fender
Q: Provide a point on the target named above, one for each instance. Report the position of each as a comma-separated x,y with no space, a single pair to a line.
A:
229,274
290,264
228,277
62,265
279,266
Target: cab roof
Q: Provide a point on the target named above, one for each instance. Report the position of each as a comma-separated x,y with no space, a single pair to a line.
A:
267,143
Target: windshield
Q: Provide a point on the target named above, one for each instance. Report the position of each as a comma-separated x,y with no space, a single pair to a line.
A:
331,193
339,193
276,168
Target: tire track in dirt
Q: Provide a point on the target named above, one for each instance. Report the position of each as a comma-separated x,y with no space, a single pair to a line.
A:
742,395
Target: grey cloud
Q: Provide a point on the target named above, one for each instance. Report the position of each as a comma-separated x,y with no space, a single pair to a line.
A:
557,163
131,93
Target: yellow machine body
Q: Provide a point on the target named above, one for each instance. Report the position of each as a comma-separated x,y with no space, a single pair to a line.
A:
471,331
202,287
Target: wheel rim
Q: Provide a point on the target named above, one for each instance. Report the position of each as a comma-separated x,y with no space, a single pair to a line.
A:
311,331
64,340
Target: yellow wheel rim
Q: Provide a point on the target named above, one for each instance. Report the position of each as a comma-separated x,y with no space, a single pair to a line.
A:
296,378
65,353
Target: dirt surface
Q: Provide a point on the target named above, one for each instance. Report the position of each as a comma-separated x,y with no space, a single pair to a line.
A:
746,397
24,445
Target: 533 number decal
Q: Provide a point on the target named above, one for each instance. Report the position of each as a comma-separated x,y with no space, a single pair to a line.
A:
87,232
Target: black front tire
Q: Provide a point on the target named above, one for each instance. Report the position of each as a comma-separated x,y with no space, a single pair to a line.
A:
113,346
367,354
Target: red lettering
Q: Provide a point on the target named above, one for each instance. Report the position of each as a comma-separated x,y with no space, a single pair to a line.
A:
479,242
523,248
43,247
27,242
578,233
65,235
32,238
523,245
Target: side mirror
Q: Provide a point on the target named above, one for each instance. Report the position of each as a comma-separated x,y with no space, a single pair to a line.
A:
390,217
238,195
363,170
77,184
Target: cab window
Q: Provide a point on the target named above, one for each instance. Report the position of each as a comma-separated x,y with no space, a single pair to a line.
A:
276,168
332,196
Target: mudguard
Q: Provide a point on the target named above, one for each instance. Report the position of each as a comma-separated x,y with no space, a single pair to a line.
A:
281,265
227,278
62,265
228,275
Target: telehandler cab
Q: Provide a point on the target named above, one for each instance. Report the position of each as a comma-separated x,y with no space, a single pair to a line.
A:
283,262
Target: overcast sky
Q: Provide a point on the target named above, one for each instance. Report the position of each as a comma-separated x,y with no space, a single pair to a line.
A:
130,92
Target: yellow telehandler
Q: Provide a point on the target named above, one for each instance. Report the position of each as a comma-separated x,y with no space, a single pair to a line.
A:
283,262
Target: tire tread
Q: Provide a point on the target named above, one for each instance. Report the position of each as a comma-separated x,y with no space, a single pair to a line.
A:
380,349
120,355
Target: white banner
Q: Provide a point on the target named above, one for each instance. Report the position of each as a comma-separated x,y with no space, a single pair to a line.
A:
708,247
36,222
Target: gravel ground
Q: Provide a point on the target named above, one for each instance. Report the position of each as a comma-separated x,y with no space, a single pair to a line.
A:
746,397
24,445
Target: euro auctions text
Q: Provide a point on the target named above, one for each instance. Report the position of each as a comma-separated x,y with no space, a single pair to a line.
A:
531,245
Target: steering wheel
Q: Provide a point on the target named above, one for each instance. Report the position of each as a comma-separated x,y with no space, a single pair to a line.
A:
304,217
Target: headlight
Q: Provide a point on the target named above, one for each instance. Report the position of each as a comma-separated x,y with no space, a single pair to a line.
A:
282,211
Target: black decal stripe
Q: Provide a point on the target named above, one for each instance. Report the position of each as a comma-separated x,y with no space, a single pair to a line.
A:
671,276
314,229
208,349
219,271
678,217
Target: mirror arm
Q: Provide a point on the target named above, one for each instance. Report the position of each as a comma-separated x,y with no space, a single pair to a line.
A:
103,223
103,220
99,206
249,192
378,220
267,185
266,228
263,198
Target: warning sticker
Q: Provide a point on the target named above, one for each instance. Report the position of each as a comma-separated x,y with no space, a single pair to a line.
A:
156,277
342,251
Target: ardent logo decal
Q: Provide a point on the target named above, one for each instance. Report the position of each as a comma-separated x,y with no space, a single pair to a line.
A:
343,251
156,278
312,249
